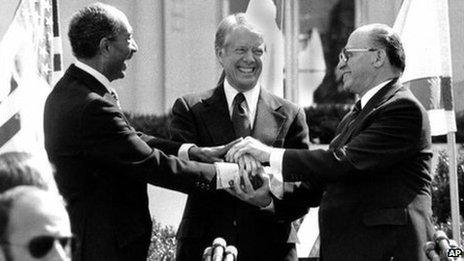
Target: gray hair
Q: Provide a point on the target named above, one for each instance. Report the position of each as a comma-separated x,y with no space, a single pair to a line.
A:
228,24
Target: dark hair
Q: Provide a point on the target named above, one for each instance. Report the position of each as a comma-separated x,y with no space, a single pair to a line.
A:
227,25
21,168
91,24
384,36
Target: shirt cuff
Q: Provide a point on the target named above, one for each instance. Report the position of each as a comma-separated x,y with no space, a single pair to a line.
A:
225,172
276,186
183,151
275,161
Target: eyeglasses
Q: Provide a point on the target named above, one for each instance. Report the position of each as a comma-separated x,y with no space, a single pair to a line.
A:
40,246
345,54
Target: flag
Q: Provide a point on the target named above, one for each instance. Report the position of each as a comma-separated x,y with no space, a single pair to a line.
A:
262,14
26,74
311,69
424,29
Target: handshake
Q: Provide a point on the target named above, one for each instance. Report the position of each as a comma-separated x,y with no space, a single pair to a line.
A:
442,248
245,178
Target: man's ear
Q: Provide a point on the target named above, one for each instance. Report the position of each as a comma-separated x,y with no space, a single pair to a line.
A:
219,53
104,46
379,58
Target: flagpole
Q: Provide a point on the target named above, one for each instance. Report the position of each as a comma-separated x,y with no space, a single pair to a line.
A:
291,49
448,101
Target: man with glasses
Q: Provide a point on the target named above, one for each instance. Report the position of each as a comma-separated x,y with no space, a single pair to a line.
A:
375,176
34,225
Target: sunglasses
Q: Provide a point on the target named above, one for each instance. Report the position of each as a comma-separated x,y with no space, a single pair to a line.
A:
40,246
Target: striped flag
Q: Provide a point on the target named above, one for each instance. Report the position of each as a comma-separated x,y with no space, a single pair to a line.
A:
424,29
26,74
262,14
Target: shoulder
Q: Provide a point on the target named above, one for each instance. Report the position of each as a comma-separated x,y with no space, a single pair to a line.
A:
280,104
192,99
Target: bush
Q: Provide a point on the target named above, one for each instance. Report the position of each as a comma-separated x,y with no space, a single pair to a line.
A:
441,193
163,243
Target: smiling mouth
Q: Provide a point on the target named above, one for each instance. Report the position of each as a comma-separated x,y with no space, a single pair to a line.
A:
246,70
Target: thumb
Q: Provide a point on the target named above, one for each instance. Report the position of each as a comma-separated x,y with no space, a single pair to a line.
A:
225,148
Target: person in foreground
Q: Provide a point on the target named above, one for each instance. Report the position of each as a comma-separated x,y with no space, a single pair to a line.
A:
238,107
375,175
34,225
102,164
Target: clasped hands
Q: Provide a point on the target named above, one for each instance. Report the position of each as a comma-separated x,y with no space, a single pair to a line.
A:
252,185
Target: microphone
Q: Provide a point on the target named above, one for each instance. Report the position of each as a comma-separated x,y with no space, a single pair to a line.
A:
207,254
219,245
442,241
231,253
429,249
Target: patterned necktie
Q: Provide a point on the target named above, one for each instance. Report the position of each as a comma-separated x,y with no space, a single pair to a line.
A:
341,138
115,97
240,118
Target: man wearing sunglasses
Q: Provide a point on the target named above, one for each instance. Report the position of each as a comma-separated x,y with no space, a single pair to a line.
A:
34,225
375,176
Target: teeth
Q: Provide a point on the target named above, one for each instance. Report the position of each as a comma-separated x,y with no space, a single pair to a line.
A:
246,70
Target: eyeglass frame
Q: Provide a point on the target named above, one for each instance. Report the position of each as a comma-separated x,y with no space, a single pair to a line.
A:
343,56
68,244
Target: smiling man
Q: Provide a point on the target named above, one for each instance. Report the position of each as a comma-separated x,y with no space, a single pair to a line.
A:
238,107
102,164
375,176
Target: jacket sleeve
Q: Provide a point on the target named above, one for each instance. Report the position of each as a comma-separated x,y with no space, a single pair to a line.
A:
298,196
109,139
394,133
183,128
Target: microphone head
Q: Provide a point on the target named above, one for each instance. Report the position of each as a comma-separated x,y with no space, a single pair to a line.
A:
207,251
231,250
439,235
219,241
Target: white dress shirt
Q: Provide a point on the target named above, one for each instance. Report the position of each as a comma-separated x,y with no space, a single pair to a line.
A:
251,97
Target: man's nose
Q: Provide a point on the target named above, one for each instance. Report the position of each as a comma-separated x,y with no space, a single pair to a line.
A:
248,56
134,46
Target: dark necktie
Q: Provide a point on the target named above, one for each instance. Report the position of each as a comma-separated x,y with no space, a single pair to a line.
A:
115,97
341,138
240,118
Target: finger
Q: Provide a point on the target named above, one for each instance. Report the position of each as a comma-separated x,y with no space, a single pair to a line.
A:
234,148
248,163
229,145
241,164
240,152
239,188
248,186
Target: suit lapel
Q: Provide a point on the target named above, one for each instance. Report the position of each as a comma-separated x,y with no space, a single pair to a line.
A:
215,115
268,121
378,99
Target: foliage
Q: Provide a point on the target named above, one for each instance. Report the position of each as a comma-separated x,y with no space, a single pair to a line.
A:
163,243
441,193
323,119
155,125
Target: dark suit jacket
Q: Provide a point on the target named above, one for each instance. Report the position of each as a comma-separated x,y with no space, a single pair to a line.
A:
204,120
103,166
377,179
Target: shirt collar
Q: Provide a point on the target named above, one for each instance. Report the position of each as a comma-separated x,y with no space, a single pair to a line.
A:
100,77
251,97
370,93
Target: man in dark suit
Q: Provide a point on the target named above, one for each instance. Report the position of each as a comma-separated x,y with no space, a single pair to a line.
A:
239,107
103,165
375,175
